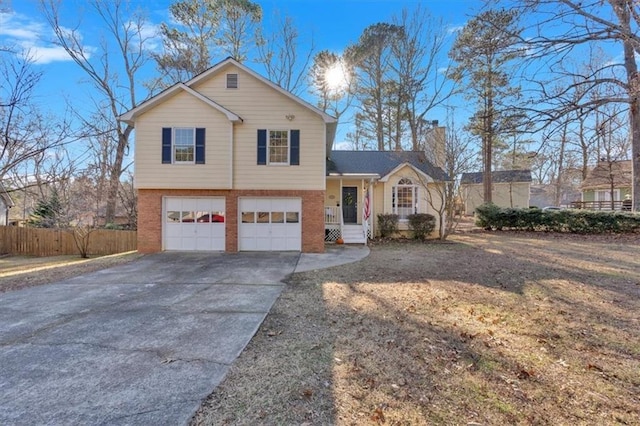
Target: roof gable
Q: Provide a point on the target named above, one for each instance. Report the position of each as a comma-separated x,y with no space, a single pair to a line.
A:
220,66
130,116
382,163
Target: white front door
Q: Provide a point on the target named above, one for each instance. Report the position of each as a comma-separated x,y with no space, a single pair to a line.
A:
270,224
196,223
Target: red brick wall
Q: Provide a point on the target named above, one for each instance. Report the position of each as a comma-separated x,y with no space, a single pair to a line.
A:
150,215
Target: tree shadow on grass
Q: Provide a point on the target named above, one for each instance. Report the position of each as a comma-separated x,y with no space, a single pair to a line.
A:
489,331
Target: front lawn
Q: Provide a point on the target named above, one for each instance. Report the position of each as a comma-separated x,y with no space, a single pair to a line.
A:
485,329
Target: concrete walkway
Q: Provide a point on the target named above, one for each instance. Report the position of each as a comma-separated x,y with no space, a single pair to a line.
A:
142,343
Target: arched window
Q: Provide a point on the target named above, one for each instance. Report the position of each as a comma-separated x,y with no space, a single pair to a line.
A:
405,198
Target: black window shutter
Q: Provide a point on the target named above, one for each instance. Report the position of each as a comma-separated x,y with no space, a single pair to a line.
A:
262,147
295,148
200,146
166,145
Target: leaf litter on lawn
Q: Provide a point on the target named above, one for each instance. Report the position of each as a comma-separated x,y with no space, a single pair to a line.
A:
489,328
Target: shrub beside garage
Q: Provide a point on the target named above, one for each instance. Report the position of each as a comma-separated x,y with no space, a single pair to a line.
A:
492,217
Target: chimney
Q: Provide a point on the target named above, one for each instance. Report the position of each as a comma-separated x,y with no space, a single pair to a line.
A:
435,144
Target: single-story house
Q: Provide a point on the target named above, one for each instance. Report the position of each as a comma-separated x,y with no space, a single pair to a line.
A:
597,191
397,182
511,188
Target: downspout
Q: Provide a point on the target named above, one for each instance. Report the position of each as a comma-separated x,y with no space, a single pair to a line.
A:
231,156
371,209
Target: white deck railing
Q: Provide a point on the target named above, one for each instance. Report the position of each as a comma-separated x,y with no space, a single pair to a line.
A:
332,215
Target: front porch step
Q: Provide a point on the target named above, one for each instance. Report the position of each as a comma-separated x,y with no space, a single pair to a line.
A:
353,234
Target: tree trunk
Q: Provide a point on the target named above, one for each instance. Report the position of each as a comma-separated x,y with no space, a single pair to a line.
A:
488,143
114,176
621,8
563,142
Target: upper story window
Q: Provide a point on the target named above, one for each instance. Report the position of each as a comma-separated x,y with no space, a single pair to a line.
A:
232,81
405,198
184,145
278,149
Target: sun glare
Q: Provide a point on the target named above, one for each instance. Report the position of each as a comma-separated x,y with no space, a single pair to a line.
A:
337,77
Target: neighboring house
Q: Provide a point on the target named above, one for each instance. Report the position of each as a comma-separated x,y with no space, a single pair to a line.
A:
229,161
401,183
543,195
511,188
230,143
608,181
5,204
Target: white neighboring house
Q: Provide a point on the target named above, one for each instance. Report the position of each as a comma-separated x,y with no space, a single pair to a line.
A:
5,204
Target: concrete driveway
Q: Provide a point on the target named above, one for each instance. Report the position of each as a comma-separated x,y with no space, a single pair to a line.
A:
142,343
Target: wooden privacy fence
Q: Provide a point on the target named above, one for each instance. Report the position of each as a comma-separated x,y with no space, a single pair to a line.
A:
55,242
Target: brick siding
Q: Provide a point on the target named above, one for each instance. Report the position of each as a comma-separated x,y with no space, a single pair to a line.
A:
150,215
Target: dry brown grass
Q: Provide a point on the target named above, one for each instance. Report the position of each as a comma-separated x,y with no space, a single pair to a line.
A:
486,329
18,272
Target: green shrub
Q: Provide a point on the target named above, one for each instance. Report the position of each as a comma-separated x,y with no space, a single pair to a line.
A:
422,224
388,224
487,216
490,216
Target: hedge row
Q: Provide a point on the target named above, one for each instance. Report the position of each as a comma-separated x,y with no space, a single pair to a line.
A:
490,216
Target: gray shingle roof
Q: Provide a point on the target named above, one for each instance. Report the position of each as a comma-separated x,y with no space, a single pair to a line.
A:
502,176
381,163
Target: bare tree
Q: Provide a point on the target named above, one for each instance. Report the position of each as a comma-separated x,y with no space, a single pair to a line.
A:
586,24
459,157
420,60
26,134
112,71
456,156
129,201
280,53
333,82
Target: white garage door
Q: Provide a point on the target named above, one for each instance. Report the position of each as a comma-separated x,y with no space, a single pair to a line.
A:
270,224
194,223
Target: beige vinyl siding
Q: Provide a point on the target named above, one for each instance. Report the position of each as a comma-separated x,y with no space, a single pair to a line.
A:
332,193
503,195
262,107
424,206
183,110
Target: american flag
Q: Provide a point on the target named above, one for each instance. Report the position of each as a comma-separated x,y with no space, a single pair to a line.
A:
367,208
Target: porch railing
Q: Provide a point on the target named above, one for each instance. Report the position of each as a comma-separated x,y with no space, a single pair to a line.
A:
332,215
602,205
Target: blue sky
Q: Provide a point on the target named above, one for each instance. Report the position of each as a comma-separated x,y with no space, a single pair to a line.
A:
333,23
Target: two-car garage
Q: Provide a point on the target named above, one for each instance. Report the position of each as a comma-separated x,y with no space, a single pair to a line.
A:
264,223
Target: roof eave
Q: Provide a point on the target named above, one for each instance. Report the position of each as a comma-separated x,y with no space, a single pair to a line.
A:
334,175
386,177
130,116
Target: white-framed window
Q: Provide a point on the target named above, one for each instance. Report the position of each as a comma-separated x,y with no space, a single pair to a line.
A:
278,147
605,195
405,198
184,144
